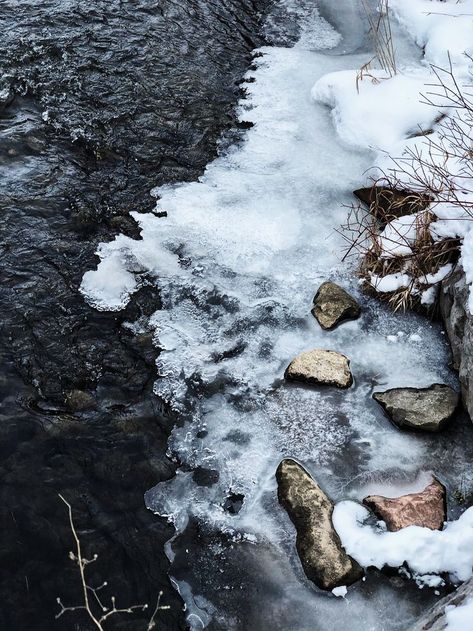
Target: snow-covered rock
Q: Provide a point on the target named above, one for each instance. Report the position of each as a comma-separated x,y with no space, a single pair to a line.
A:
427,553
323,558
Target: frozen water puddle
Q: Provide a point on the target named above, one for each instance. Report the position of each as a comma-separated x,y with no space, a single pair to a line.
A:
238,259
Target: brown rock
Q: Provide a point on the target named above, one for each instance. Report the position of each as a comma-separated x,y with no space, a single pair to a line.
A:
320,367
320,550
387,204
427,508
333,305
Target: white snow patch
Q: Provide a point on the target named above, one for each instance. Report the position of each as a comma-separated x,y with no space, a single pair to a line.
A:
443,29
425,551
110,286
378,111
390,282
460,618
340,592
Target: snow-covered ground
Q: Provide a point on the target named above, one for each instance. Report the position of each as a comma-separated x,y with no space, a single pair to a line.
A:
238,260
460,618
410,115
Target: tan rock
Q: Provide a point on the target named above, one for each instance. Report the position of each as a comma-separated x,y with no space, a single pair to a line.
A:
323,558
320,367
426,509
333,305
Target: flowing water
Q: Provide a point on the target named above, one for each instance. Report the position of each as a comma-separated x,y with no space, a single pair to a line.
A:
237,257
99,102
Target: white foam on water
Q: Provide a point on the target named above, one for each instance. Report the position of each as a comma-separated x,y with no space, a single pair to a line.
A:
238,260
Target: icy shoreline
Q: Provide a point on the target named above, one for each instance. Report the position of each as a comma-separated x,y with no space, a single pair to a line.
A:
237,261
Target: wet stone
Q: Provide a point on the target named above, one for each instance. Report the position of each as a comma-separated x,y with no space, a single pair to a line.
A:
323,558
79,401
332,305
233,503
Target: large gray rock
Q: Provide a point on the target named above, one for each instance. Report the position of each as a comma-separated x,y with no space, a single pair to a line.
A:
333,305
435,619
428,409
320,367
323,558
454,294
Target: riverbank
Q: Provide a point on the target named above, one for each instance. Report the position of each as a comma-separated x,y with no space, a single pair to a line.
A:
237,259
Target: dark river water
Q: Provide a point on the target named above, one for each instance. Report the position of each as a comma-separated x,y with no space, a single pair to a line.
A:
99,102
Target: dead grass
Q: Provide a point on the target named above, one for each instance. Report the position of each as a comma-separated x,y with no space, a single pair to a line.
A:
383,45
363,235
435,175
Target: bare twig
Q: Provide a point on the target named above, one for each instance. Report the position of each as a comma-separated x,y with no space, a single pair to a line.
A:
106,612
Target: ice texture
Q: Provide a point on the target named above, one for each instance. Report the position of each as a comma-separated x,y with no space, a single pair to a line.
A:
237,260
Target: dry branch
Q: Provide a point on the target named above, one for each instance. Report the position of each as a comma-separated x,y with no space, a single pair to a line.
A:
93,605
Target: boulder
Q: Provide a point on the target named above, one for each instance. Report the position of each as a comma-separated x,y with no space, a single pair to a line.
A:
427,508
436,618
454,296
427,409
323,558
320,367
333,305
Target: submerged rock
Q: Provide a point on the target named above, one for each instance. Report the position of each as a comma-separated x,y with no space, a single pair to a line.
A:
320,367
428,409
233,503
323,558
333,305
426,508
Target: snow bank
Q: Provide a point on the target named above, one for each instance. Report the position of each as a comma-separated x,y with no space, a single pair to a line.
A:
425,551
377,111
460,618
412,137
443,29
